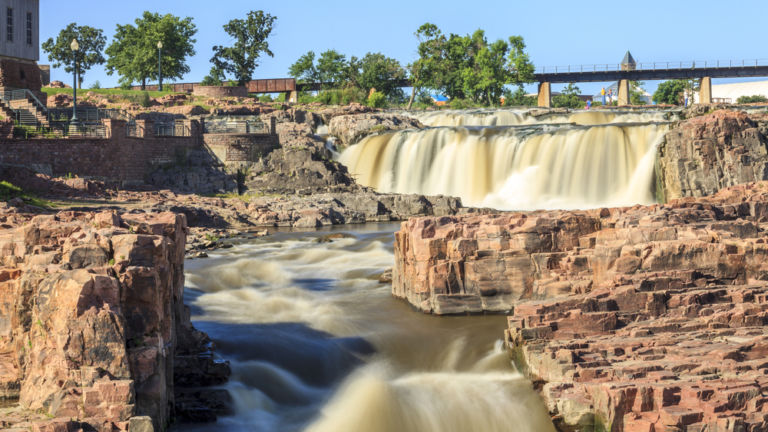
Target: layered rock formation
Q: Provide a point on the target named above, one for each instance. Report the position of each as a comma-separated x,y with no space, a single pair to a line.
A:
92,321
705,154
634,319
350,129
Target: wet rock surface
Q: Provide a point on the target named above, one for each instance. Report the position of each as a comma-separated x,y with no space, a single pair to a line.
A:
636,319
350,129
92,321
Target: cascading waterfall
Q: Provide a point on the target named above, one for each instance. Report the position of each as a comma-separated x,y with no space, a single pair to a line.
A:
542,166
497,117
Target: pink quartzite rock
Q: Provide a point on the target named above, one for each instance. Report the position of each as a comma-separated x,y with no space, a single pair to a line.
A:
91,316
633,319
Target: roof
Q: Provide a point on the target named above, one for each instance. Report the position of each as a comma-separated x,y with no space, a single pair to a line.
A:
628,59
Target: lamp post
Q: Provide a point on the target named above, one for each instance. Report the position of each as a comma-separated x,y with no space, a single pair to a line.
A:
159,68
75,47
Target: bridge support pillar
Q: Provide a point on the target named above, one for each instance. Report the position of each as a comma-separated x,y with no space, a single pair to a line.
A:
705,91
624,92
292,96
545,95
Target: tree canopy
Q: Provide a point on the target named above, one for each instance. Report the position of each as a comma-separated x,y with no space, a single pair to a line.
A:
469,67
670,92
91,41
568,98
250,36
133,52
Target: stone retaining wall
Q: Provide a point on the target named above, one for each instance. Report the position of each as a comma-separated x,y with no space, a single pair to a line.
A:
219,91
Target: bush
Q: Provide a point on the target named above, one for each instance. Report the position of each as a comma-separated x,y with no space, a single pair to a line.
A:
96,85
265,98
146,101
459,104
751,99
377,100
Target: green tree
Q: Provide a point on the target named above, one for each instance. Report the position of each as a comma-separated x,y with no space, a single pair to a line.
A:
469,66
215,77
332,68
636,93
568,98
91,41
518,98
304,70
250,35
670,92
378,71
133,51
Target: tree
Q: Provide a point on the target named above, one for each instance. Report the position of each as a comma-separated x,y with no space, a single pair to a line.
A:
670,92
250,37
518,98
332,68
378,71
469,66
133,51
636,93
568,98
91,41
304,69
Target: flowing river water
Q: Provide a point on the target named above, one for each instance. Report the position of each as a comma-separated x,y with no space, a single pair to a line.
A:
318,344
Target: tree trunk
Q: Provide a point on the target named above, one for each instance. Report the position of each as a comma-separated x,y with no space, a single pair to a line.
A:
144,83
413,96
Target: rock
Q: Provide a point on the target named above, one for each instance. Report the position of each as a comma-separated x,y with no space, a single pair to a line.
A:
331,237
186,110
59,100
140,424
705,154
350,129
57,84
91,317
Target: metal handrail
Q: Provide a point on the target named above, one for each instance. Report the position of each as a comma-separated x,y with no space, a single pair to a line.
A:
692,64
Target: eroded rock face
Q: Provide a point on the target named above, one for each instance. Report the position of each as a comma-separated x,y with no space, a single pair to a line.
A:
705,154
91,316
350,129
635,319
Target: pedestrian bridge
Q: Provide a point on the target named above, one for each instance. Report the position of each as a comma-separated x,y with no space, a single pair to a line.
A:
630,71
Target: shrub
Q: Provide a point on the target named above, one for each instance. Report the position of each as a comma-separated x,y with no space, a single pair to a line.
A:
146,101
377,100
265,98
460,104
751,99
96,85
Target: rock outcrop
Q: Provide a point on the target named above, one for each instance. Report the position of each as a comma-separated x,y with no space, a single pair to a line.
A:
707,153
635,319
92,320
350,129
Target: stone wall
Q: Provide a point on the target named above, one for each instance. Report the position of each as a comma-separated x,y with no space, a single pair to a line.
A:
118,158
240,148
219,91
20,74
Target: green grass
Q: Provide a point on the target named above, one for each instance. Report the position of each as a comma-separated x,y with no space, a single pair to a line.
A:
9,191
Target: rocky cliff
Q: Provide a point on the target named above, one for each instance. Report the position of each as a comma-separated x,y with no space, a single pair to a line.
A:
640,318
707,153
92,321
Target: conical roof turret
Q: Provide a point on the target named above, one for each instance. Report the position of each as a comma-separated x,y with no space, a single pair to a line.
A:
628,63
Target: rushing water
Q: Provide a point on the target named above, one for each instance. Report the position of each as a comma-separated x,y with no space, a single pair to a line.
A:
512,160
318,344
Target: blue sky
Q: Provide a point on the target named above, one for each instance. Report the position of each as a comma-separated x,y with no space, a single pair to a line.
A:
557,32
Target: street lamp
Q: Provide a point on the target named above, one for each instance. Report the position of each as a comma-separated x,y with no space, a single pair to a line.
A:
159,68
75,47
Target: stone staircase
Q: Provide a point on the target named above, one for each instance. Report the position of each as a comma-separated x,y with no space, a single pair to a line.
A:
29,111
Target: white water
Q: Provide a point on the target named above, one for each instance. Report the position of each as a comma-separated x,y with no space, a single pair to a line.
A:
266,303
514,168
498,117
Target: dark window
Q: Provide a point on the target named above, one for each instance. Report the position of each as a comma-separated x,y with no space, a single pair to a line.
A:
9,26
29,28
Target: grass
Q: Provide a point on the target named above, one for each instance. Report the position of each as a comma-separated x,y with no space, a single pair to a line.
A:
9,191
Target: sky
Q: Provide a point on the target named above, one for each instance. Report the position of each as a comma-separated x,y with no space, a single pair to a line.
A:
557,32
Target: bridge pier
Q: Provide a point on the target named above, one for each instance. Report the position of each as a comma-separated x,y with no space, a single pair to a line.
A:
624,92
705,91
545,95
292,97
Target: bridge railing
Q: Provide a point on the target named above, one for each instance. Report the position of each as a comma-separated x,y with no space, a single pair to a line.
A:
691,64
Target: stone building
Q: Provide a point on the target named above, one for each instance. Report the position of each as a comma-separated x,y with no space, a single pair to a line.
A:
19,45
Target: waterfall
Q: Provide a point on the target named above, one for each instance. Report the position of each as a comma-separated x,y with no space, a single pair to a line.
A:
539,166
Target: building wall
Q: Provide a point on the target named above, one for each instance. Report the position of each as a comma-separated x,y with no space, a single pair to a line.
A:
18,47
